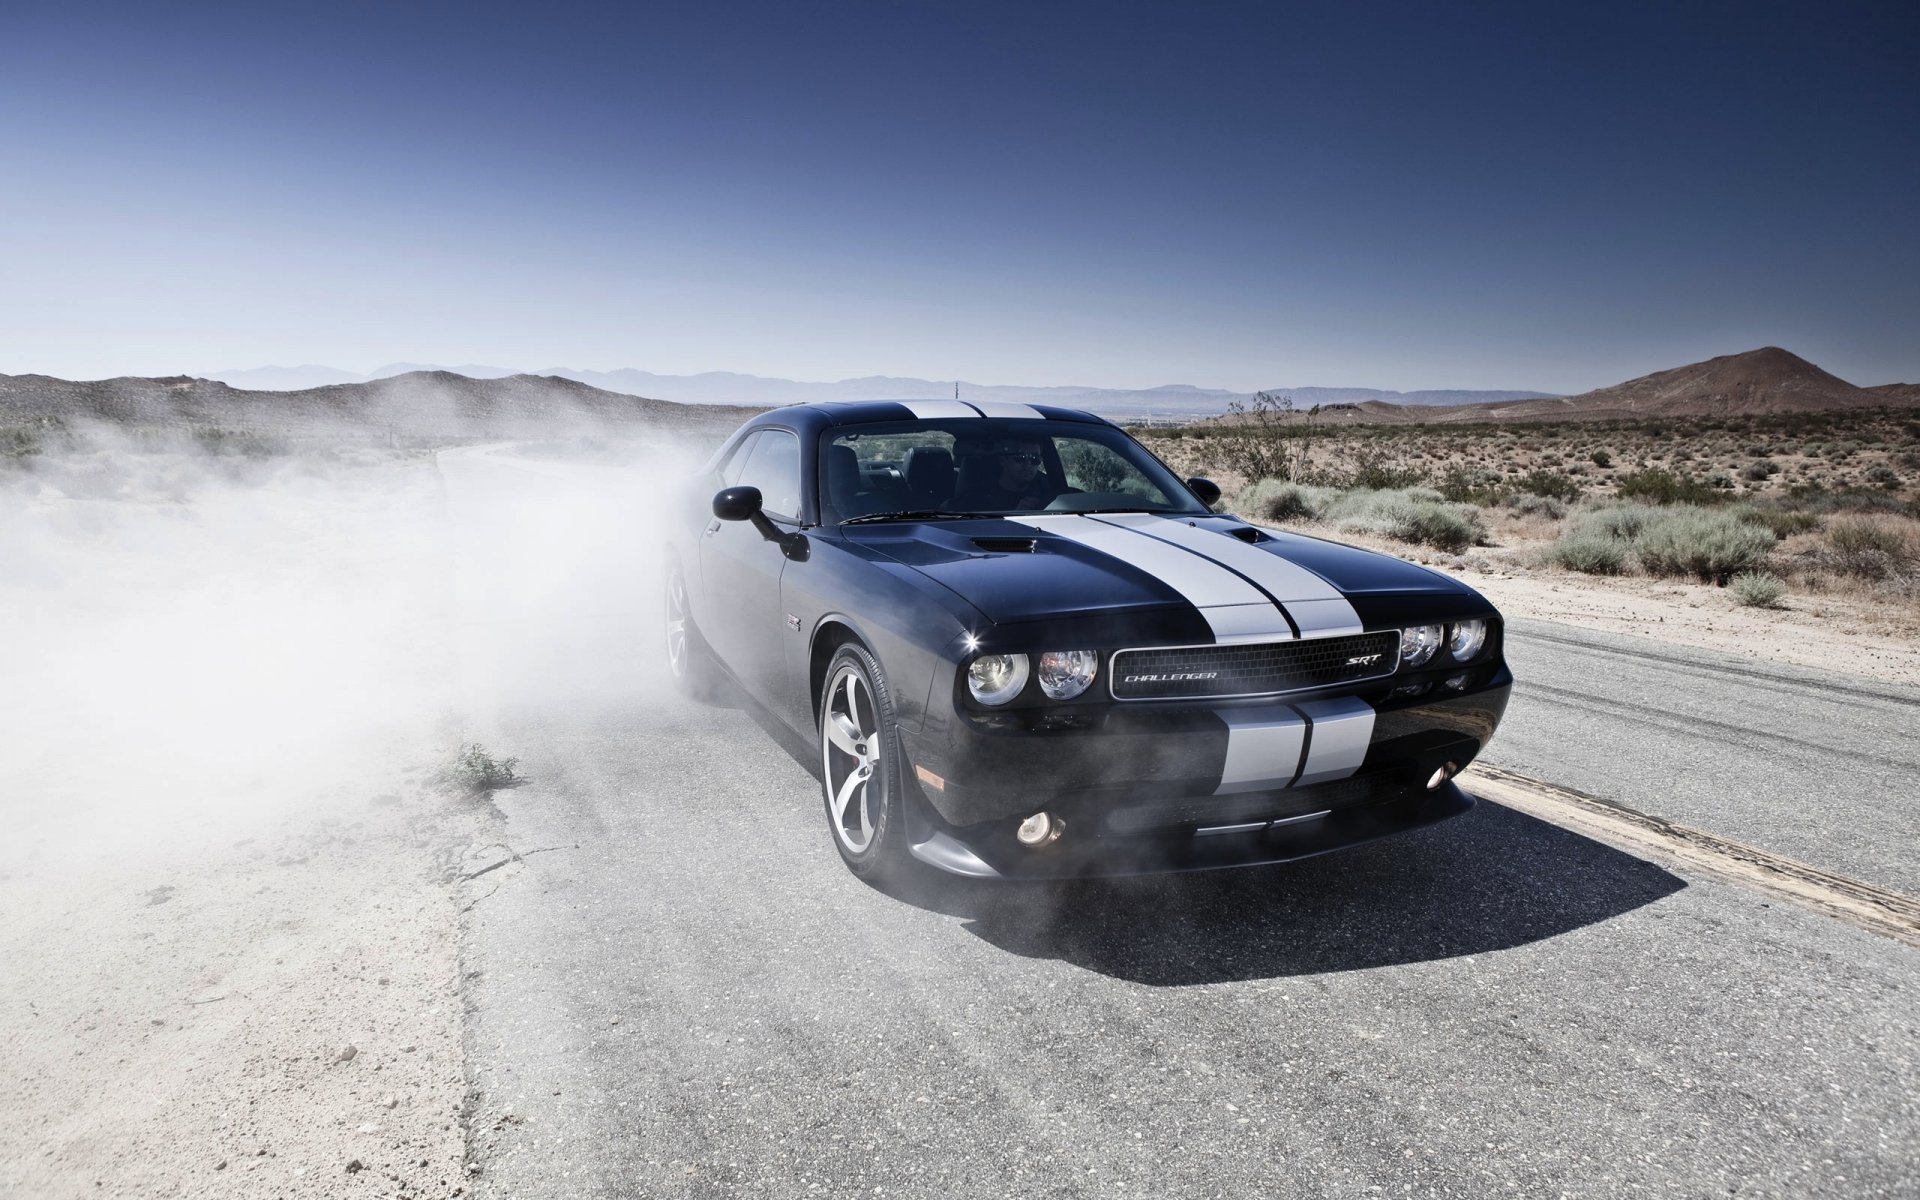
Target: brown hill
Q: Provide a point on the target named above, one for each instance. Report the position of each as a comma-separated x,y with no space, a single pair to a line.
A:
421,404
1757,383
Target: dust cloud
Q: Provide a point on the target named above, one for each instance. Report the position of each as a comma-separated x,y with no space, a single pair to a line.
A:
193,644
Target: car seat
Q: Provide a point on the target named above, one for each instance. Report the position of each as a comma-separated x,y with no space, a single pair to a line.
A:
929,472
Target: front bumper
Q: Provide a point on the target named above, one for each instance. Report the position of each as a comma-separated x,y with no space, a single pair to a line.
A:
1144,787
993,853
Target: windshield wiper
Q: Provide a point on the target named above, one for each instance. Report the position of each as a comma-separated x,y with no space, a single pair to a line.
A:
919,514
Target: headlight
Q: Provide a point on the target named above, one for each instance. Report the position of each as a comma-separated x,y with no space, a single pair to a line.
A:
1064,674
1417,644
1468,637
997,678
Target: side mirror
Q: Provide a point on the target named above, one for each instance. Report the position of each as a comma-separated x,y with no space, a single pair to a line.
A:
737,503
1206,489
743,504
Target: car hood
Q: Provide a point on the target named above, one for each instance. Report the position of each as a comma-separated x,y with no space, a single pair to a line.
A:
1246,581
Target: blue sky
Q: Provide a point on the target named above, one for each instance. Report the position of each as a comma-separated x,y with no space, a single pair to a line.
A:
1388,195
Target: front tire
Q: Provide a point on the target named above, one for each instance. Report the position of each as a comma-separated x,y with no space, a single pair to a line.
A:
862,767
689,663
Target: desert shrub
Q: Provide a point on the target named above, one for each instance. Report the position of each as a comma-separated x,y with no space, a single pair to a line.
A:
1884,476
1602,458
1757,589
1660,486
1588,552
1556,484
1531,504
1278,500
1720,480
1620,521
1759,471
1371,469
1709,546
475,772
1784,522
1267,439
1467,485
1868,549
1420,516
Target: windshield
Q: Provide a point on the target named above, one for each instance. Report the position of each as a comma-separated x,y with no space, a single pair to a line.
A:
988,467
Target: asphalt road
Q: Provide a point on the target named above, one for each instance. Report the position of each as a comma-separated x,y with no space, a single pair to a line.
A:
1814,765
691,997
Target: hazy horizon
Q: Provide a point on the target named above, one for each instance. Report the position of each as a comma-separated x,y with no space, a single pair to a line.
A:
1406,198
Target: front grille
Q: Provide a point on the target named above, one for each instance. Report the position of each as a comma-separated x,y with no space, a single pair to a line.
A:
1259,669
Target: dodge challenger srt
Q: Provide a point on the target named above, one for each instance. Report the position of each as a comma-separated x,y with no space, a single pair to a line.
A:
1024,647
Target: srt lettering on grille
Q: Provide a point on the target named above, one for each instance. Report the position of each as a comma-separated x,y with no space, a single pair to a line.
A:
1172,678
1361,660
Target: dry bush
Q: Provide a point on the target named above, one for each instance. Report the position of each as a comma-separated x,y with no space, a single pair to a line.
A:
1757,589
1709,546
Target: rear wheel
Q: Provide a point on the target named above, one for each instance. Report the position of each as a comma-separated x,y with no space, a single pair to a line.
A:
689,662
862,766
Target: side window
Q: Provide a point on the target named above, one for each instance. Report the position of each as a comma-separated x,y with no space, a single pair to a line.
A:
773,466
737,461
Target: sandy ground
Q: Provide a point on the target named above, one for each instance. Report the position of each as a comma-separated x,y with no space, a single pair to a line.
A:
279,1016
179,994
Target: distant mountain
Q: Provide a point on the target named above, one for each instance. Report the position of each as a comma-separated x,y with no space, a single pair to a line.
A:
1757,383
416,405
727,387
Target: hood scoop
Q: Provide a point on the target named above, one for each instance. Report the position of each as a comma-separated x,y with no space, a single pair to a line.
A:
1248,534
1005,545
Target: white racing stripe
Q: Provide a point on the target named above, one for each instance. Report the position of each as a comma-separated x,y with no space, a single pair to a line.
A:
937,410
1001,408
1234,609
1342,730
1315,605
1263,748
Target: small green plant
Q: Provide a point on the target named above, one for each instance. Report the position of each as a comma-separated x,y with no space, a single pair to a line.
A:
474,772
1602,458
1589,553
1757,589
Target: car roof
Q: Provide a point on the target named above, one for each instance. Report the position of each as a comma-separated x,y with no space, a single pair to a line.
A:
867,412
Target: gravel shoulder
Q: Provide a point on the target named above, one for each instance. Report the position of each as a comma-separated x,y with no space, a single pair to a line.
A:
278,1015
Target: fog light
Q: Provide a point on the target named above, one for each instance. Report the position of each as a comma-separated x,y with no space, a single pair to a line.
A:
1040,829
1441,776
1458,680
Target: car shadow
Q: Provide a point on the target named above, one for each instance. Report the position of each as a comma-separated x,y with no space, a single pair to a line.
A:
1489,880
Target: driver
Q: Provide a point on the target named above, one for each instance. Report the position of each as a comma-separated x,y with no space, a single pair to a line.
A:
1010,480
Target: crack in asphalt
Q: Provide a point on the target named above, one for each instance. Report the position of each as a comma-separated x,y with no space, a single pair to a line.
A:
1735,735
1766,680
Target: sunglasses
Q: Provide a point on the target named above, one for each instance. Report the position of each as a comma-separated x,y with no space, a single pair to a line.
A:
1018,457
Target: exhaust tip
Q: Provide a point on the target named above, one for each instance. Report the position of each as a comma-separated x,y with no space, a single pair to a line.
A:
1441,775
1040,829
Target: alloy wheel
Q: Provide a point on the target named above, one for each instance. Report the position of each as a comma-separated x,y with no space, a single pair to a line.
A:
850,758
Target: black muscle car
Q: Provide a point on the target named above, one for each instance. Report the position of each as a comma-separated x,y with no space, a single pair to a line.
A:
1025,648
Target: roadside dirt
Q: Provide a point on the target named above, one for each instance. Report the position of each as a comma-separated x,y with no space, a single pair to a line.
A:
275,1015
1854,635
